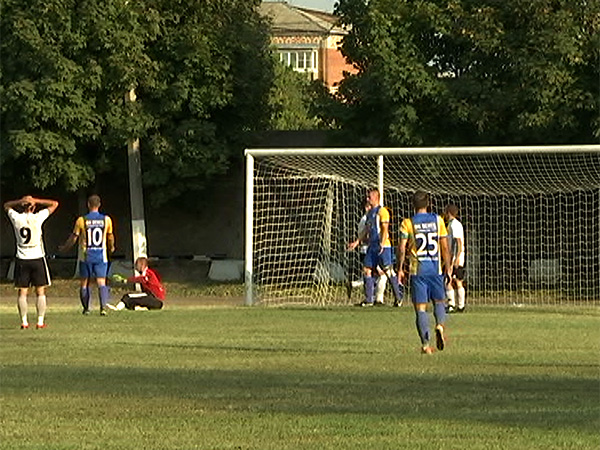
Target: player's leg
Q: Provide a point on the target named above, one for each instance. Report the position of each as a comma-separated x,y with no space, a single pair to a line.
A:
22,281
41,280
437,292
460,289
451,294
150,302
128,300
369,282
386,263
371,259
419,295
22,307
381,284
100,272
85,273
41,306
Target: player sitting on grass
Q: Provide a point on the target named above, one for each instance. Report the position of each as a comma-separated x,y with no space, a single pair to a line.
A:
153,292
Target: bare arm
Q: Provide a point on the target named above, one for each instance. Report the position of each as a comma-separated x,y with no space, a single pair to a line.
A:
443,241
459,249
68,243
11,204
401,257
384,233
110,242
51,205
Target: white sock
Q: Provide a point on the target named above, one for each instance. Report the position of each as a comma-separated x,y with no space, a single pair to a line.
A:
461,297
381,283
41,308
22,305
450,297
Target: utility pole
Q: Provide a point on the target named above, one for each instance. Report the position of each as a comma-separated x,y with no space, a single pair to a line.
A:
136,194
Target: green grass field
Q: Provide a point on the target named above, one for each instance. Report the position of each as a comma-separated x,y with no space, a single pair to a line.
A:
193,377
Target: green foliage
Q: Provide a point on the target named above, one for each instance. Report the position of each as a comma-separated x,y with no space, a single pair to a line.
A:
200,71
460,72
297,103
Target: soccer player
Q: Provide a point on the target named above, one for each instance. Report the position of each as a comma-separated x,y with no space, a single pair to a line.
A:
153,292
31,268
428,247
379,251
456,239
362,243
95,234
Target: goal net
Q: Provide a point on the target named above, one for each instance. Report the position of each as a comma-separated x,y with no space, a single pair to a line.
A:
531,217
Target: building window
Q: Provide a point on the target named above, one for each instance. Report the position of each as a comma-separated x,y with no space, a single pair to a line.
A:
300,60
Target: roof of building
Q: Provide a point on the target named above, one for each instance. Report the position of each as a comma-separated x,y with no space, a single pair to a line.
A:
287,19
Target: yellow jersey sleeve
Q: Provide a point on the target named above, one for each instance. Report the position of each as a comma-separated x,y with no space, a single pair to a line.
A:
109,227
79,226
406,229
442,231
384,215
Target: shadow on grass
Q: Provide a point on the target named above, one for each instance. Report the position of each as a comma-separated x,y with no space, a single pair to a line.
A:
525,402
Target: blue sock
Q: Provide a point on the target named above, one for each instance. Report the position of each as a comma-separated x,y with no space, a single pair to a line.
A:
104,295
369,289
439,312
423,326
84,296
398,290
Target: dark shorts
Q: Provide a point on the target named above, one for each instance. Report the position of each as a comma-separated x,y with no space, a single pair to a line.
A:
31,272
458,273
424,288
93,270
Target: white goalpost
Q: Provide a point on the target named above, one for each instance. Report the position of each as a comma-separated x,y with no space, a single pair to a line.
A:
531,217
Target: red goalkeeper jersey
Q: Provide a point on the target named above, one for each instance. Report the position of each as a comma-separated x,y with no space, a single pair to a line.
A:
150,282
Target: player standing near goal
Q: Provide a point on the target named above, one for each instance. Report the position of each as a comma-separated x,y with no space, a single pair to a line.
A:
362,242
428,236
379,251
31,268
455,291
96,239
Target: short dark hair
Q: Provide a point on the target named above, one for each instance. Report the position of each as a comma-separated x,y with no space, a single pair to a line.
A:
94,201
452,209
420,200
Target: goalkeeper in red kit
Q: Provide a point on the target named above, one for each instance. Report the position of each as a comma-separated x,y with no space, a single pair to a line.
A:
152,295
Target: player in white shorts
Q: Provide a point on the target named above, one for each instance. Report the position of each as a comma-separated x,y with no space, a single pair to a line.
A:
455,290
27,215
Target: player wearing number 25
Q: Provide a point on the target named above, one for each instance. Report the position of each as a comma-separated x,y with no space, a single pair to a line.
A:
429,247
95,234
27,215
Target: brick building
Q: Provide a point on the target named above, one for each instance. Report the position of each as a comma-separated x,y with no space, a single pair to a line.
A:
307,40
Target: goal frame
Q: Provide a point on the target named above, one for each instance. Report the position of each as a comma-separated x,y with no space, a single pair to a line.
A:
252,154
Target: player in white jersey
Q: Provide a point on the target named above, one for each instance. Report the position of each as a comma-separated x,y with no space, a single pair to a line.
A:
455,290
27,215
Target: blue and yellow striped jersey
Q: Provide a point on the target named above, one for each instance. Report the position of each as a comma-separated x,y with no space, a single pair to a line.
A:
423,231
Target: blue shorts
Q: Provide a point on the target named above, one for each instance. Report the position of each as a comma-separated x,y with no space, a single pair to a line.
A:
93,269
427,287
373,258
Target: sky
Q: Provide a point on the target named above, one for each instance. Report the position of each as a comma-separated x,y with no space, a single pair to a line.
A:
323,5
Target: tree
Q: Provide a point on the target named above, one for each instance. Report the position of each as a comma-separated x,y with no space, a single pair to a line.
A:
459,72
297,103
201,70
